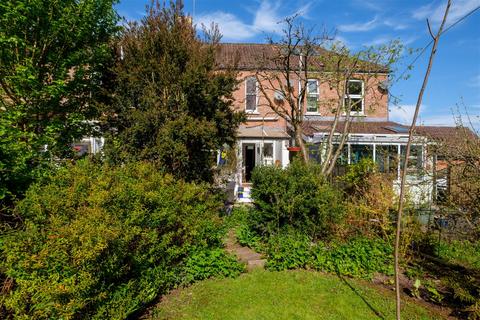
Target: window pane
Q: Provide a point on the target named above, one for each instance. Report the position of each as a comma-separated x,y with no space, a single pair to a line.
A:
251,86
386,158
312,103
343,157
312,86
415,160
360,151
251,103
314,153
356,104
268,150
354,87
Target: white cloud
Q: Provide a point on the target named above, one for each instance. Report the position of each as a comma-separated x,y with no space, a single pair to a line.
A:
435,13
373,24
378,41
395,25
230,26
359,27
404,114
266,18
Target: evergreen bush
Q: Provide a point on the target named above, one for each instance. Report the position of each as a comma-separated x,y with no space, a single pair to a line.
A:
99,242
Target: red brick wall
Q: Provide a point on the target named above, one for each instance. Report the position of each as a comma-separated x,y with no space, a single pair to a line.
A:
376,102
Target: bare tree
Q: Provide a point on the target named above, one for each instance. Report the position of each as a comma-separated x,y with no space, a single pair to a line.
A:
298,56
457,162
411,134
291,62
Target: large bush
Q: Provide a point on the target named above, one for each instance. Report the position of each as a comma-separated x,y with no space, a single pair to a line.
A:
371,200
297,197
99,242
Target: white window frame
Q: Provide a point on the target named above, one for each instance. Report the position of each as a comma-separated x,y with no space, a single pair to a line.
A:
312,94
255,111
355,96
268,160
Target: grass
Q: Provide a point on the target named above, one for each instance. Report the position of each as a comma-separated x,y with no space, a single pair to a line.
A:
284,295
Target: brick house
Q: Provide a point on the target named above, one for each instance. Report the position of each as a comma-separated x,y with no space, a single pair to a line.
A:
264,138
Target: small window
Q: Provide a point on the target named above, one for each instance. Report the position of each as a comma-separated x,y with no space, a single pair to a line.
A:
312,95
268,153
251,99
354,96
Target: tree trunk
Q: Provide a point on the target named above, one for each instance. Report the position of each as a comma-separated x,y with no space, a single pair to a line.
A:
300,143
407,154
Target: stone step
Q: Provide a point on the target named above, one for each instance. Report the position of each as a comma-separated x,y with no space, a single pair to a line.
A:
256,264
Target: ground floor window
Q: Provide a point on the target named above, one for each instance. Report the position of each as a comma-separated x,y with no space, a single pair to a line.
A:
360,151
386,157
268,153
415,160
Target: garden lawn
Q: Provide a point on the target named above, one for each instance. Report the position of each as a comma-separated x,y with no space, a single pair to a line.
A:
284,295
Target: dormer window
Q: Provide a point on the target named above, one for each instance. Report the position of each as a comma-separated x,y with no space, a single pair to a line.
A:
251,94
312,95
354,97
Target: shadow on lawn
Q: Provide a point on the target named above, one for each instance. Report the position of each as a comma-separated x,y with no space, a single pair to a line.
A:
375,311
459,286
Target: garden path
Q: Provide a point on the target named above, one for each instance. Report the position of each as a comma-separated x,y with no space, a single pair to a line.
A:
252,259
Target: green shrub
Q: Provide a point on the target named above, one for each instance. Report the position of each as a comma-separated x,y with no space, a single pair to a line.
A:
247,237
298,197
288,250
99,242
359,257
204,264
465,253
356,178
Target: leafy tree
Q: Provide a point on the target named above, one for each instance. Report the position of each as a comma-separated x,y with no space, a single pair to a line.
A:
171,106
52,57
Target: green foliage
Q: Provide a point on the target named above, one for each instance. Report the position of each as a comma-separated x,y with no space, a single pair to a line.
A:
465,253
247,237
359,257
171,106
99,242
356,178
204,264
53,55
289,250
297,197
433,293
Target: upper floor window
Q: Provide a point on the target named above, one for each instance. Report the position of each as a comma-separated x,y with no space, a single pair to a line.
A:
312,95
354,96
251,94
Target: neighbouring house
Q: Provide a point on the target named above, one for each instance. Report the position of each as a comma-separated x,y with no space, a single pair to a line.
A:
264,138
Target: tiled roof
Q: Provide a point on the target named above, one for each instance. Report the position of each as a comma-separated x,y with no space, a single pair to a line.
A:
251,56
357,127
389,127
259,132
446,133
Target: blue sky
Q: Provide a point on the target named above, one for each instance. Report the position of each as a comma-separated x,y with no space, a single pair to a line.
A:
455,78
